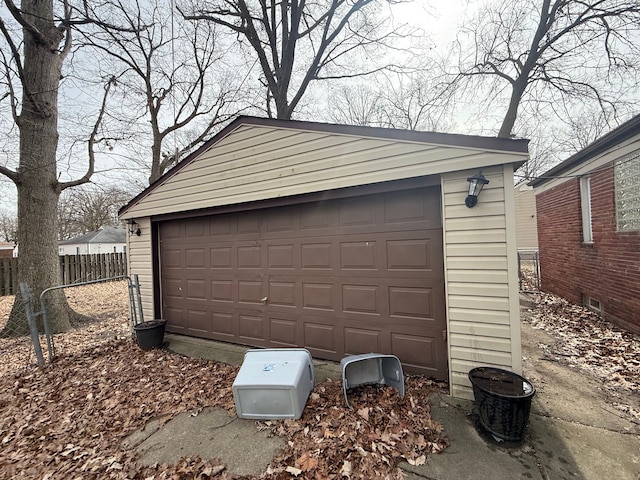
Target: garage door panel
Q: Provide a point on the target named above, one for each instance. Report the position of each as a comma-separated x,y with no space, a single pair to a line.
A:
282,257
316,216
197,290
283,332
282,294
175,319
199,321
321,337
361,340
222,324
282,220
172,258
249,257
252,328
248,224
221,257
360,299
423,209
172,287
358,255
416,302
354,275
222,290
196,228
357,212
418,353
250,292
318,296
316,256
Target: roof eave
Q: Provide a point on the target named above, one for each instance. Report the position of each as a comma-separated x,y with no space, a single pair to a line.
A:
615,136
449,139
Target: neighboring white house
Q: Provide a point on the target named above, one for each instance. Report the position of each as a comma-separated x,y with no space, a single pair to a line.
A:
526,220
105,240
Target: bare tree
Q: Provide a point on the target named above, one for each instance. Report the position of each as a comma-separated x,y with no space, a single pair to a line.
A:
166,69
83,210
297,42
412,101
37,42
552,55
358,104
8,227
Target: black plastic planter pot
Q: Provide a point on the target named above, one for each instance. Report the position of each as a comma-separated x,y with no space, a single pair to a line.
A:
503,399
150,334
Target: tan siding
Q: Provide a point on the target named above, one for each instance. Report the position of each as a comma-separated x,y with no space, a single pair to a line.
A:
526,222
260,162
477,268
477,276
140,263
473,327
480,316
485,342
483,289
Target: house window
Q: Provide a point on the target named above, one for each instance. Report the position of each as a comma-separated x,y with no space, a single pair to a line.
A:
585,205
627,187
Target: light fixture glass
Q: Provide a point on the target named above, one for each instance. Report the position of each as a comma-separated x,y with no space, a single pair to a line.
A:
476,184
134,228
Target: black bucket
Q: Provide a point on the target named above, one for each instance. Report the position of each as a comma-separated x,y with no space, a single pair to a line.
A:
150,334
503,399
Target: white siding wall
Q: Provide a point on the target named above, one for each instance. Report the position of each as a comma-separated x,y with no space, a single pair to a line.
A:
140,263
481,276
90,248
526,221
259,162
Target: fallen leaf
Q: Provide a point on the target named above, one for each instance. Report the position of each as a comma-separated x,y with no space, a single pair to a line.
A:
306,462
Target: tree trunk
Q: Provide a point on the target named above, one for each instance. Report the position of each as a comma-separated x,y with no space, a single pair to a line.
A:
38,188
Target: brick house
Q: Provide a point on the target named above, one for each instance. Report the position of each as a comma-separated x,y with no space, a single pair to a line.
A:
588,210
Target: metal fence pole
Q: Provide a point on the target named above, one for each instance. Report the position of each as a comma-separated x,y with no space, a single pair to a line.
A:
31,319
138,297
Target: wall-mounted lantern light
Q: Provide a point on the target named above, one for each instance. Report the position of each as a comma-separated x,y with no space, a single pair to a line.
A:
134,228
476,183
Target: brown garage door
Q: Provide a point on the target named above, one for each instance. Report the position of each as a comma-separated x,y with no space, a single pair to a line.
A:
344,276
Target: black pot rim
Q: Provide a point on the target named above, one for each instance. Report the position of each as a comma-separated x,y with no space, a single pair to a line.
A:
149,324
502,372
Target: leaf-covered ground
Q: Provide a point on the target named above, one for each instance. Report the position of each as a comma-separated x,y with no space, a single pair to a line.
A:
586,341
69,420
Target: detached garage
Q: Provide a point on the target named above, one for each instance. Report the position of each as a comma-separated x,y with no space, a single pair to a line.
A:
339,239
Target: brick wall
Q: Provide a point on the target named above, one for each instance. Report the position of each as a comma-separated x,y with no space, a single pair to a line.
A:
607,270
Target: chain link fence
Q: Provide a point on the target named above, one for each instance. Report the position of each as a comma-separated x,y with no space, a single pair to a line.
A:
529,269
100,312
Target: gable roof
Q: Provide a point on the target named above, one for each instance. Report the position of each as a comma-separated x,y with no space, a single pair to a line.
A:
252,130
623,132
104,235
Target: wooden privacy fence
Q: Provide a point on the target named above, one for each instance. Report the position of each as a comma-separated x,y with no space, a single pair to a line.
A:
73,268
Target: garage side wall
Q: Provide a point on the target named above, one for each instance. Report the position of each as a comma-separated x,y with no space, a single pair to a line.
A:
140,261
481,276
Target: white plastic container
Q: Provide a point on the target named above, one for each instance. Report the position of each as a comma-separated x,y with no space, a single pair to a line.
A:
273,383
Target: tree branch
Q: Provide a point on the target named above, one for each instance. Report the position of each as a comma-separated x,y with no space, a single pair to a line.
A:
91,143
